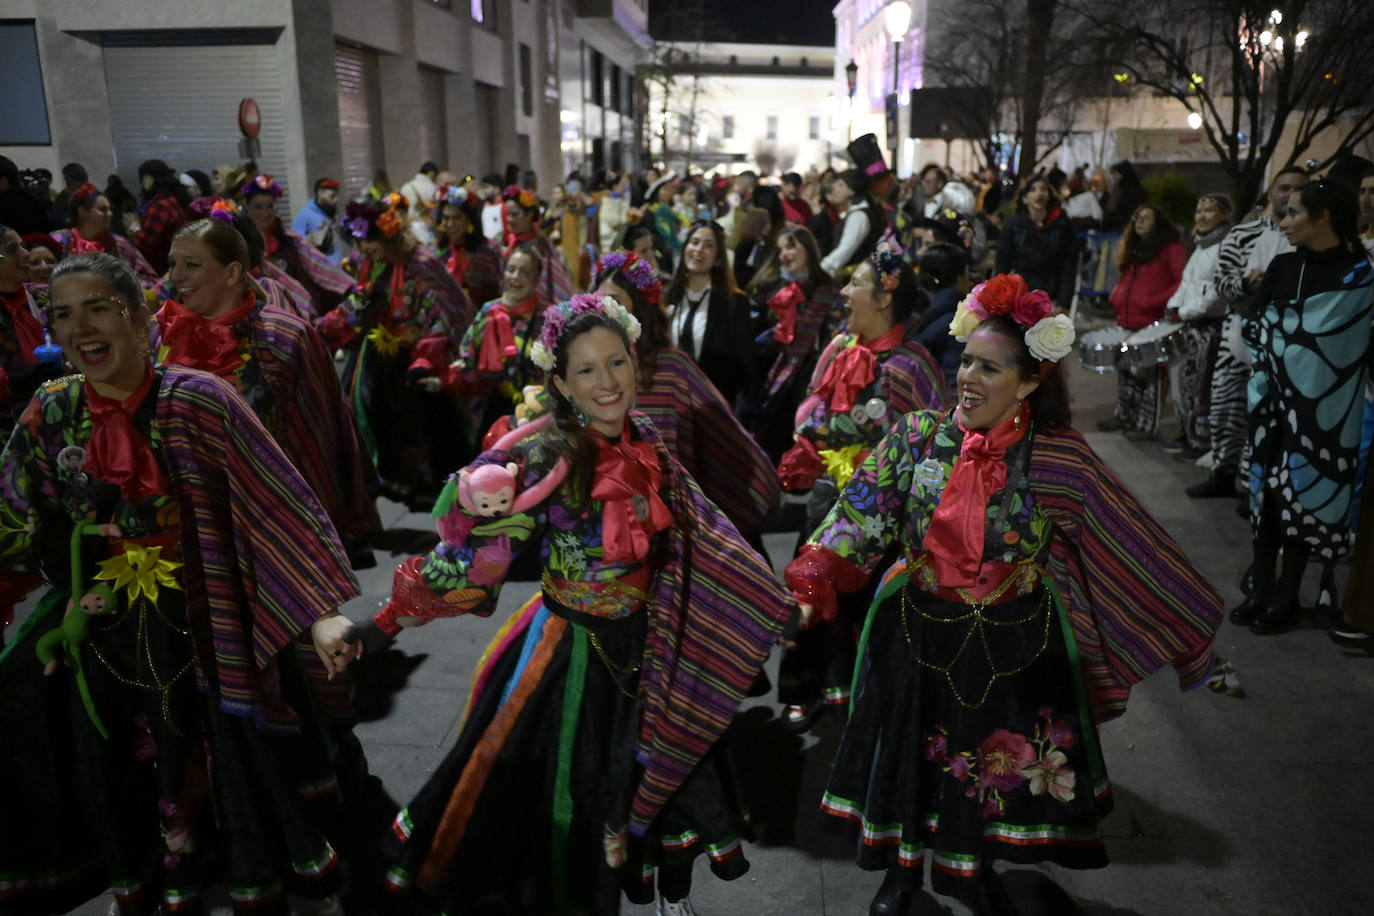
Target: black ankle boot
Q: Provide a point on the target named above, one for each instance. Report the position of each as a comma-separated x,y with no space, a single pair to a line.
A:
1214,487
1249,610
899,885
1247,580
1279,617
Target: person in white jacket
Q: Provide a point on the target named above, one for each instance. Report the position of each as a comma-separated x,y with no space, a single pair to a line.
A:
423,193
1200,306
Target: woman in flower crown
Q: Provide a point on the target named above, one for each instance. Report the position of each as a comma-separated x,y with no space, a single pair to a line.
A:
222,322
1032,591
402,325
90,231
493,365
797,309
689,412
472,260
193,585
865,379
520,220
325,281
594,715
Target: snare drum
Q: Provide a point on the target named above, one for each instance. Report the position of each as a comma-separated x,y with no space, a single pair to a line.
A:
1151,347
1098,349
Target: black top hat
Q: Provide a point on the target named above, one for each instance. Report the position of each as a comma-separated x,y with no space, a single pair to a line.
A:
867,156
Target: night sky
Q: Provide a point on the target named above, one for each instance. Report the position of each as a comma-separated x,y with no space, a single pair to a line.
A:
802,22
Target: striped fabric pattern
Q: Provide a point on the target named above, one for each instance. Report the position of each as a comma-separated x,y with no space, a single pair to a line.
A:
262,564
284,293
1135,600
703,434
1231,259
321,271
312,422
717,610
823,311
116,245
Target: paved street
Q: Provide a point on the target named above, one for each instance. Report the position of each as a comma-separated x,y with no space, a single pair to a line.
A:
1253,806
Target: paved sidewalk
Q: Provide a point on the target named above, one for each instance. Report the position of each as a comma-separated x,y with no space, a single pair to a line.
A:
1255,806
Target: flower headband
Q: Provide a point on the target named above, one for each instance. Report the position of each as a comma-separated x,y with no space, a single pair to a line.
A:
887,267
383,217
263,184
454,194
84,193
217,208
558,317
1048,337
636,270
523,196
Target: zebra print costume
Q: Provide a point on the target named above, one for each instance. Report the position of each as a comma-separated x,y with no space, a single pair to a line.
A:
1231,373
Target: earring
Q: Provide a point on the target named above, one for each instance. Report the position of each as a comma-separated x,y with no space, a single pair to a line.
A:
1016,423
578,414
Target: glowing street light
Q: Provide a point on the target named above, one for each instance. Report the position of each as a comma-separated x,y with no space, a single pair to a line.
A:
1194,120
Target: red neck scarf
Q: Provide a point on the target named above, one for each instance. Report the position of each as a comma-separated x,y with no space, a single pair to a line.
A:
28,329
513,239
117,453
852,369
498,338
458,262
784,304
79,244
272,239
627,481
209,344
954,539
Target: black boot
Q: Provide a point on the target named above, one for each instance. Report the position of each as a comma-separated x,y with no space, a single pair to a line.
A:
1249,610
899,885
1279,617
1247,580
1217,485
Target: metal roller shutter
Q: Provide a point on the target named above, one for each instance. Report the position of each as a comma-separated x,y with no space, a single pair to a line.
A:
355,71
180,102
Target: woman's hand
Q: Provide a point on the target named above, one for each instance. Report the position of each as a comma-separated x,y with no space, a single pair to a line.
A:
430,383
328,633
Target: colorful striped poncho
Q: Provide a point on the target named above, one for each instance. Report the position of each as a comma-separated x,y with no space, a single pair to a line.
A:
325,282
260,562
715,607
111,244
702,433
1135,601
289,380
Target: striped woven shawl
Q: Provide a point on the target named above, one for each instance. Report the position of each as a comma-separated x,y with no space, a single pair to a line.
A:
1136,602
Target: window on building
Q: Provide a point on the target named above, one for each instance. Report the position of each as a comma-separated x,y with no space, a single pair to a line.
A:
814,131
727,127
772,127
615,87
483,11
526,80
26,108
597,78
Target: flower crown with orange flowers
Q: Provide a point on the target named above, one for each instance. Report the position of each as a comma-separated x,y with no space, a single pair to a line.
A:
368,219
216,208
635,269
523,196
263,184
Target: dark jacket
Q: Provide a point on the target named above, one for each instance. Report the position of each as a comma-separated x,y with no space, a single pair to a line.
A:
1045,254
725,354
932,332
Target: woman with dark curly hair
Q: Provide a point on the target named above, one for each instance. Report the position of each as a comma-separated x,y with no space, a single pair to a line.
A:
865,378
402,325
1151,261
472,260
1040,243
1015,621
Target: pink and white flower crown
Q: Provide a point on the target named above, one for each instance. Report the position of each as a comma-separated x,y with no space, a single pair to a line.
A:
636,270
558,317
1048,336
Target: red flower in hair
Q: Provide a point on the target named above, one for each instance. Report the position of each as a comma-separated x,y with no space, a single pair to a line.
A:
1031,307
1001,292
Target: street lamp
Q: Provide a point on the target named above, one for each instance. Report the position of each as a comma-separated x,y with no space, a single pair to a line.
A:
897,19
851,74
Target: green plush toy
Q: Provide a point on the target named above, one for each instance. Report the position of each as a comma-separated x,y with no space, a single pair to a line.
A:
68,637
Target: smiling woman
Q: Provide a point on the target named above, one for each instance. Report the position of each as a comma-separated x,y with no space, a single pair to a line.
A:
117,788
586,724
983,671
